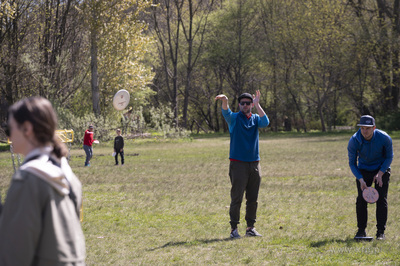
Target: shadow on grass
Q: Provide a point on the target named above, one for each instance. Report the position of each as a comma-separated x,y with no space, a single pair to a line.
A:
191,243
318,244
101,154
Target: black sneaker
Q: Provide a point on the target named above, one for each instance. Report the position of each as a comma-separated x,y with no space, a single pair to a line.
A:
360,233
380,236
235,233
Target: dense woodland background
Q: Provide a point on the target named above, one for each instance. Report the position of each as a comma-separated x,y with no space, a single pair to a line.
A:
319,64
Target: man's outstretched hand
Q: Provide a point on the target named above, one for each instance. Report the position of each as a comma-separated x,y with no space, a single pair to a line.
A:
224,100
256,98
221,97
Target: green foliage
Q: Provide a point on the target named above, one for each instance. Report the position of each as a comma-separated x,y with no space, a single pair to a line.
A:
389,121
80,103
123,46
315,62
4,147
104,130
162,120
133,123
8,9
314,125
233,46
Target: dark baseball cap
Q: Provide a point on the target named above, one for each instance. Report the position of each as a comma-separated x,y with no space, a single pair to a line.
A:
366,121
246,95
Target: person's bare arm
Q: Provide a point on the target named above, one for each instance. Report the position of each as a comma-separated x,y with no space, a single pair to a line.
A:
256,102
224,100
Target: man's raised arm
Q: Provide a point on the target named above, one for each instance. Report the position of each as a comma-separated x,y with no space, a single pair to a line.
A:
224,100
256,102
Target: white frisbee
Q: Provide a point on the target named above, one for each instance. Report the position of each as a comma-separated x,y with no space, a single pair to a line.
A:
96,141
113,154
370,195
121,100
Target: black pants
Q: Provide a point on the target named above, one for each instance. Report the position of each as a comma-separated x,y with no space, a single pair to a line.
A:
381,204
245,177
122,156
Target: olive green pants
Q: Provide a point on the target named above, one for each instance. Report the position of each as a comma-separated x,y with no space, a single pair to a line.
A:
245,177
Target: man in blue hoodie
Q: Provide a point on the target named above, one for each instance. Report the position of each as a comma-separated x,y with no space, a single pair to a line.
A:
244,170
374,151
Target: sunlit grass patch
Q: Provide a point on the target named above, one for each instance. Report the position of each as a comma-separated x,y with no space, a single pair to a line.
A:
169,203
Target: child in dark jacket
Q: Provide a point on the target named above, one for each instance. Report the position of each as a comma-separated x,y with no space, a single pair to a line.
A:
119,147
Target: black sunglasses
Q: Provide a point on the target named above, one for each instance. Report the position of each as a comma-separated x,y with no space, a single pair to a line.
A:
245,103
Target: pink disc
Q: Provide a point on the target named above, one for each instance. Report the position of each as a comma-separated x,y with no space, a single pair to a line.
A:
370,195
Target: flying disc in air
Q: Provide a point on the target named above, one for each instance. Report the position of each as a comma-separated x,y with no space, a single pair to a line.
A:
121,100
370,195
96,141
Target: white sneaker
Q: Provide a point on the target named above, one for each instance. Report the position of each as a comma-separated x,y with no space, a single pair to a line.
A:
252,232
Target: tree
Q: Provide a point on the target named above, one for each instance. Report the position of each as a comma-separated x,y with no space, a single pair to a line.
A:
320,45
118,49
14,23
380,24
95,24
233,48
167,26
193,31
56,66
44,41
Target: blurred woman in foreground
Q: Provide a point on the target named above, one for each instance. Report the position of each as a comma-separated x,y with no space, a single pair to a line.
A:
39,222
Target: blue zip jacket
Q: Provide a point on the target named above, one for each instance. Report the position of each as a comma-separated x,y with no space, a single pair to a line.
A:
244,135
375,154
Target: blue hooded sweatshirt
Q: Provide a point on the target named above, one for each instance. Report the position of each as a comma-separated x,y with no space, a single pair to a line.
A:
244,135
372,155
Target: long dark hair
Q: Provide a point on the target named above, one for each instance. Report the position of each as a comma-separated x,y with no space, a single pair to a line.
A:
41,114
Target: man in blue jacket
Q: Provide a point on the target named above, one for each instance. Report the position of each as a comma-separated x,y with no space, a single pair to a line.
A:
374,151
244,170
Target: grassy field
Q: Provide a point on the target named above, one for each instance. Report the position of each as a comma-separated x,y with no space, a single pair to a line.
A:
168,205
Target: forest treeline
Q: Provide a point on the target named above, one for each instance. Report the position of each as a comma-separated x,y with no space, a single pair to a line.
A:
319,64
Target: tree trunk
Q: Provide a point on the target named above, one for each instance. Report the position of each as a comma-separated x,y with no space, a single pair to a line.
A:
298,108
189,67
320,113
275,112
93,67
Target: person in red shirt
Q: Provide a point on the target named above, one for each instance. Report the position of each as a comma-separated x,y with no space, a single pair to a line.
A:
87,144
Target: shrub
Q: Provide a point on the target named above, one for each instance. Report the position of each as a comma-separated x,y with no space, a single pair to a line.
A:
104,126
132,122
389,122
4,147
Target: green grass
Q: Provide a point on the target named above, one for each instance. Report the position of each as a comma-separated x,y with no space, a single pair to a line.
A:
169,204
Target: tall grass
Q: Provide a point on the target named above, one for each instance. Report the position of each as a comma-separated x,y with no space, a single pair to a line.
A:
168,205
